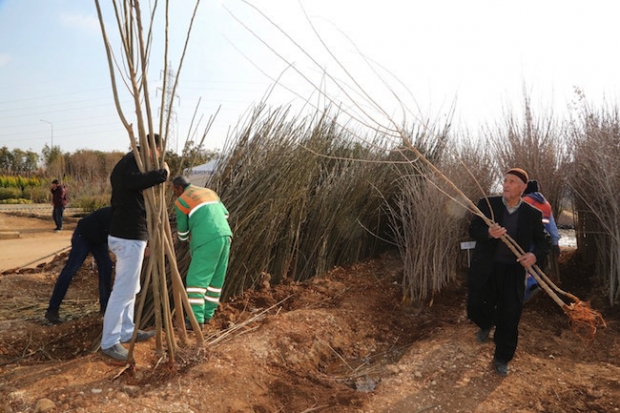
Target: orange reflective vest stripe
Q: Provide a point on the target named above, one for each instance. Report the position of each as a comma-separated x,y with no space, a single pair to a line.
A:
193,197
544,207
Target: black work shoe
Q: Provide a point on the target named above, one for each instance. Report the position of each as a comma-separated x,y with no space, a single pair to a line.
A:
141,336
188,326
483,334
52,317
117,352
144,335
501,367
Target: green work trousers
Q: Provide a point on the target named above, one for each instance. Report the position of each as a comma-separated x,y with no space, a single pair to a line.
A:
205,277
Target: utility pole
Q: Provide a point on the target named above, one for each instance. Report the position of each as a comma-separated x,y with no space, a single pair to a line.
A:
169,111
52,143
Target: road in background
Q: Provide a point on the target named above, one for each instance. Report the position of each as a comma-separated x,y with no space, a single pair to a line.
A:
37,242
29,252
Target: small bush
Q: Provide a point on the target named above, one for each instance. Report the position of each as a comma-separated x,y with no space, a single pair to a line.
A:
9,181
8,193
37,194
91,203
14,201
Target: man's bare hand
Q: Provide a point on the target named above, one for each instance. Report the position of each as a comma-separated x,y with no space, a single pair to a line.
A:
167,168
527,260
495,231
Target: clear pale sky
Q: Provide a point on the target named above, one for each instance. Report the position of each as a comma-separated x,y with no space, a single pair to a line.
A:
480,54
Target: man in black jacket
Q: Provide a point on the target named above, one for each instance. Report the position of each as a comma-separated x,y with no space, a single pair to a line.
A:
496,279
127,240
90,237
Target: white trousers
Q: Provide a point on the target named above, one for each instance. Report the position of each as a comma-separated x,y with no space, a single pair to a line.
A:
118,322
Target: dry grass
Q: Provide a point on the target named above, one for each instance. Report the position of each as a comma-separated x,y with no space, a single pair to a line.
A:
303,196
595,182
306,195
536,143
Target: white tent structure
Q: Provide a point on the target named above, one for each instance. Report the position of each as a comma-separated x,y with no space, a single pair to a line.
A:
199,175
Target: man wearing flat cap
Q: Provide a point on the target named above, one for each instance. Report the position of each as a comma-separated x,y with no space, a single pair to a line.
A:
496,279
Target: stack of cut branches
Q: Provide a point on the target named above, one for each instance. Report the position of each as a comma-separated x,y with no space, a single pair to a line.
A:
135,55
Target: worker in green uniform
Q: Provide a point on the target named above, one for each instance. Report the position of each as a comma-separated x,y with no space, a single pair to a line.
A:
203,220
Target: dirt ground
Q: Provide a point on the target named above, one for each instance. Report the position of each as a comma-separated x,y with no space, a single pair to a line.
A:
340,343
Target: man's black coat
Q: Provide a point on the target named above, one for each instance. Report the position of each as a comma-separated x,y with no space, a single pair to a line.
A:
531,231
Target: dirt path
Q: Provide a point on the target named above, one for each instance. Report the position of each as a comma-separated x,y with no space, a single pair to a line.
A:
342,343
37,239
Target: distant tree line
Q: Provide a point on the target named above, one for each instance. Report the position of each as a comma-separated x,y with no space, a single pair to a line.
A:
85,172
18,161
85,164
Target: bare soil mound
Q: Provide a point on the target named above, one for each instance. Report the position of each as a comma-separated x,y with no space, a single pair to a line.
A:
343,342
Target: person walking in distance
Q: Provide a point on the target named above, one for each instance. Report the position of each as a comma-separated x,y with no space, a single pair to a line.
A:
496,278
202,219
59,202
127,240
90,237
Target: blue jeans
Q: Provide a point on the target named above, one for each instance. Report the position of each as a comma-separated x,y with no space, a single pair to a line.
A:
57,215
118,322
80,249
